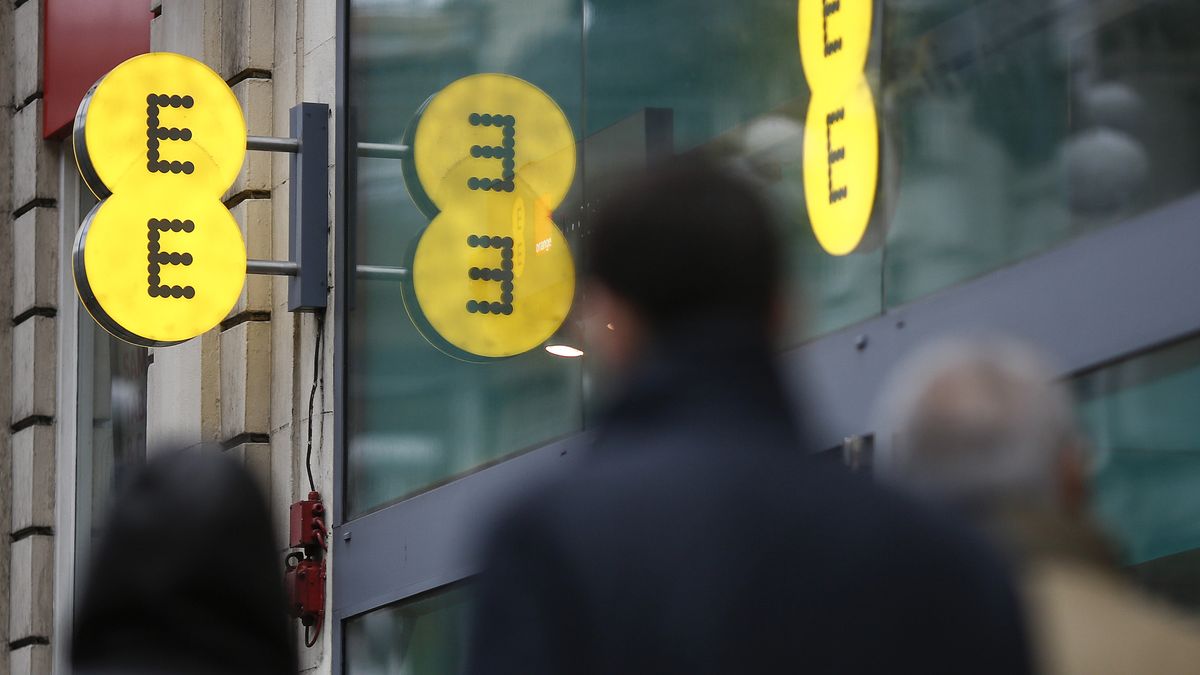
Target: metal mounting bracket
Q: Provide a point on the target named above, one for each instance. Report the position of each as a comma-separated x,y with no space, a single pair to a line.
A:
308,208
307,265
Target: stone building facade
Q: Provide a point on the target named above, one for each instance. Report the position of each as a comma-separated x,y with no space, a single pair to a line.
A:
244,386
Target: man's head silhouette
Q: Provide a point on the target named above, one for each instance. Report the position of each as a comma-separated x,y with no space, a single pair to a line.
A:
681,244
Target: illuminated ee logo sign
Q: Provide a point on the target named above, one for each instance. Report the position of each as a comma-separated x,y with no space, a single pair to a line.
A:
491,275
841,134
160,259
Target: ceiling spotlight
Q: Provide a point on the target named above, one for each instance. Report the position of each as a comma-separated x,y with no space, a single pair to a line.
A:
565,351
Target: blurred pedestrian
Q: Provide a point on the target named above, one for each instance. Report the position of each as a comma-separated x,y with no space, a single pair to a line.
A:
983,426
697,535
186,579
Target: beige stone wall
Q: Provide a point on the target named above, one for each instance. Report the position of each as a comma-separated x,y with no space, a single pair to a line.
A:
28,351
7,49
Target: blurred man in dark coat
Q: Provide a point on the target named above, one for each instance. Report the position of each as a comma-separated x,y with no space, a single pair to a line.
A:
186,579
697,536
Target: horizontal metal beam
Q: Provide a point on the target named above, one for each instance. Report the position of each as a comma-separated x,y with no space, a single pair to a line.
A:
1096,298
279,268
383,273
394,553
273,144
383,150
1101,296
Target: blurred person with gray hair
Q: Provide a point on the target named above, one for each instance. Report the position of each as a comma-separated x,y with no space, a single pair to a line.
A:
983,427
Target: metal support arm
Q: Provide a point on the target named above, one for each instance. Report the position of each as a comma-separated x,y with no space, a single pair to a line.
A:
383,150
279,268
286,268
273,144
308,207
381,273
292,145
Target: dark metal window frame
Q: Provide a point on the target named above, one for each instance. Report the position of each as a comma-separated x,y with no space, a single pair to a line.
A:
1090,301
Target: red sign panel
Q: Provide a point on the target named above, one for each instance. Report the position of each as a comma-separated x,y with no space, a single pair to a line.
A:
82,40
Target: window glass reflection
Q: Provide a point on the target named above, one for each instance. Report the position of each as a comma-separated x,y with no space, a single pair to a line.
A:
1140,414
416,415
1020,124
110,422
1005,128
414,638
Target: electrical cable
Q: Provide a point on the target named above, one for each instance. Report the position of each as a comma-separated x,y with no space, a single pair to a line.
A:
318,378
310,641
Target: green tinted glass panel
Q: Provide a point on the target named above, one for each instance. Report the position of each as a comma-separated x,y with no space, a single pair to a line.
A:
1004,129
730,75
416,415
1141,416
415,638
1017,125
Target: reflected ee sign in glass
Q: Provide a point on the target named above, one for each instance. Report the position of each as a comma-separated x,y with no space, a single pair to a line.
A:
492,275
841,131
160,259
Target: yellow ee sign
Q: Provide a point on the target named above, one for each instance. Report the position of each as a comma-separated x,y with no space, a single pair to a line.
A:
160,259
841,133
491,275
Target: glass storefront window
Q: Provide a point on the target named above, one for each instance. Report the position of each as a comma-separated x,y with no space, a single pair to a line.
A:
731,77
417,416
1017,125
1140,415
110,420
414,638
1002,129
